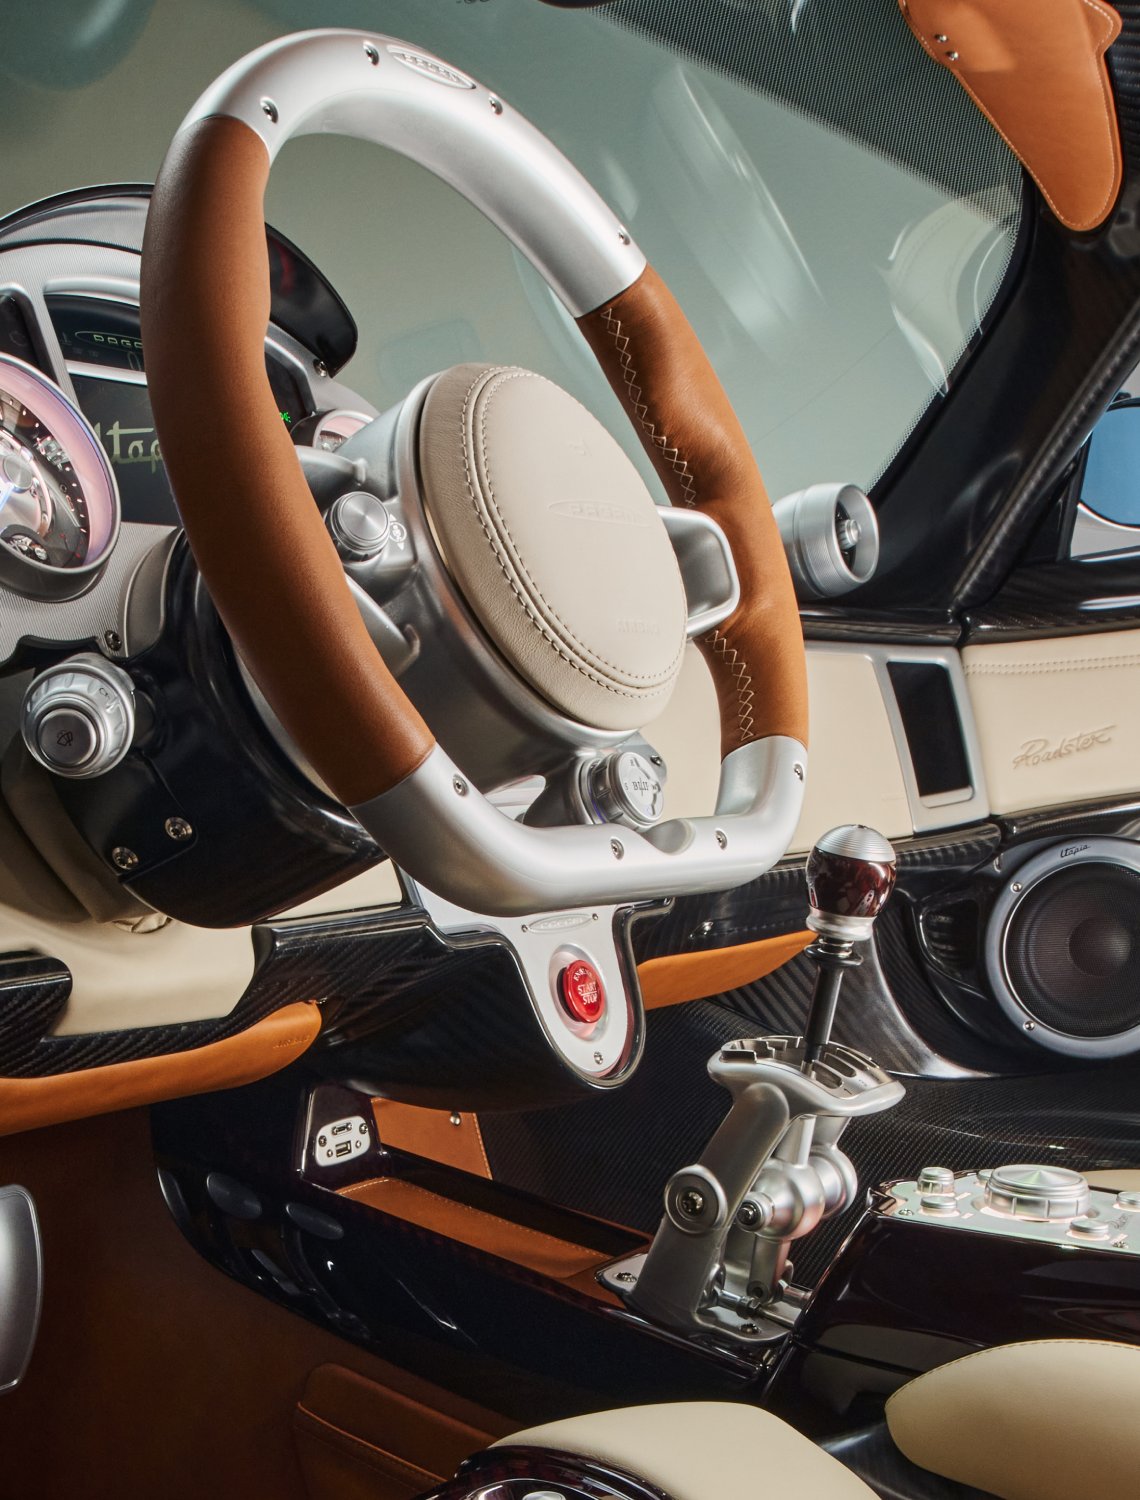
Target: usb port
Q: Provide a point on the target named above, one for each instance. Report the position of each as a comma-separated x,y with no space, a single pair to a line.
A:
344,1149
342,1129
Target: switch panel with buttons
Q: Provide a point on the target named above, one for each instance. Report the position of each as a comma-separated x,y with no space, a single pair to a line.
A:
1025,1201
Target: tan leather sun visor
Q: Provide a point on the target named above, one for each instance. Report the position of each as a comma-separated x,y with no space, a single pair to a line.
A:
1037,71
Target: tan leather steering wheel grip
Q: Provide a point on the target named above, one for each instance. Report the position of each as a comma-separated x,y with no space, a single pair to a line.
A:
258,538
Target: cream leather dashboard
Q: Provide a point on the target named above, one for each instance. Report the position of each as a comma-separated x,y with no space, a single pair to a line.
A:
1058,720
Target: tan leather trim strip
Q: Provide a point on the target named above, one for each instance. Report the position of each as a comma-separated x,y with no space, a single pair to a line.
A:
431,1133
669,391
471,1226
205,309
1036,70
679,977
264,1048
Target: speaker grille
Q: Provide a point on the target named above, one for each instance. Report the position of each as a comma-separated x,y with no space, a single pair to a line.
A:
1073,950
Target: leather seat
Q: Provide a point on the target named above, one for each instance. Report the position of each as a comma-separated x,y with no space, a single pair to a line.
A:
1044,1420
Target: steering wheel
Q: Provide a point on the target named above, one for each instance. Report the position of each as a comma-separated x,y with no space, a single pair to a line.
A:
482,431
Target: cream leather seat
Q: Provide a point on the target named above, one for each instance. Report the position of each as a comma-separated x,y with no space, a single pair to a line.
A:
1045,1420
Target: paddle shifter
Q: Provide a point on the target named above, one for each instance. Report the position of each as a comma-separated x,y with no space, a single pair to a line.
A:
719,1262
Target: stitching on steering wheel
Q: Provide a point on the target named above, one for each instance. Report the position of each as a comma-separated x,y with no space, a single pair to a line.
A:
499,377
672,456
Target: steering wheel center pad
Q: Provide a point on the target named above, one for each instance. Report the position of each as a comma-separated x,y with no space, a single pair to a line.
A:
555,543
205,306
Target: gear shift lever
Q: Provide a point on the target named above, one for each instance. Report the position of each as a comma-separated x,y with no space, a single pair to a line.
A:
850,873
773,1169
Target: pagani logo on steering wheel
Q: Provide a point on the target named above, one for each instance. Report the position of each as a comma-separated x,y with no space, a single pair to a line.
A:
432,68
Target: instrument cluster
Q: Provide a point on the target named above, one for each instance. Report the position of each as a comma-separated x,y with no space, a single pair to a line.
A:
84,494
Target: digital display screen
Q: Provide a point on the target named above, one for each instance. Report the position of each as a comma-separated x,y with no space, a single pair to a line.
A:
124,423
106,334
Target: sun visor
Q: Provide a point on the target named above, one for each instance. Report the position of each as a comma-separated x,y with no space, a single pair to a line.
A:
1036,69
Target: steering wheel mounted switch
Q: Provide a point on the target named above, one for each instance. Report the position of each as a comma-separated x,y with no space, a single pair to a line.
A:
581,991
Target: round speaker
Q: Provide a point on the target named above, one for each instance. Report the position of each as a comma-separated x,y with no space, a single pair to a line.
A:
1063,948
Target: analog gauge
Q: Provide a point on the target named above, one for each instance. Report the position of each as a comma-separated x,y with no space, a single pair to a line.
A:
59,505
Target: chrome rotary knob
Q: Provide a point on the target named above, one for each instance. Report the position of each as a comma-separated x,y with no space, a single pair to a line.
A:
626,788
359,525
78,718
1026,1191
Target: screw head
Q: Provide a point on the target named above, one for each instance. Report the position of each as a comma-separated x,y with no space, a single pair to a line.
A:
320,368
624,237
123,858
749,1328
627,1278
372,54
1016,886
691,1203
459,786
112,640
721,839
270,111
322,1140
455,1118
496,104
178,829
798,771
618,848
748,1215
599,1059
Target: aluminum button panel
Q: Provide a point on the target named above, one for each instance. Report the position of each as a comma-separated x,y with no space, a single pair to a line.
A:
966,1211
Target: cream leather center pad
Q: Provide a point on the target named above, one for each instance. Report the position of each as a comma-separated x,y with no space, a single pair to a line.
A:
702,1450
1045,1420
554,542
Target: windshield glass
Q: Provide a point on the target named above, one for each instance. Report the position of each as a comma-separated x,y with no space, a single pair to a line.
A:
830,209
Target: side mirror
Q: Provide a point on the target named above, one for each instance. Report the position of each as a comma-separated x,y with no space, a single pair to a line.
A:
1108,504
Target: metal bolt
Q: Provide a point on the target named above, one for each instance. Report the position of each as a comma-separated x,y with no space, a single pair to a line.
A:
322,1140
372,54
1031,1025
320,368
749,1328
748,1215
459,786
624,236
112,640
269,110
722,839
525,928
1016,886
691,1203
598,1059
178,829
618,848
593,916
627,1278
455,1118
798,771
496,104
123,858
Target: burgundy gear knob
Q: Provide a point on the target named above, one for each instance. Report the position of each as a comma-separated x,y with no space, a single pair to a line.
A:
850,873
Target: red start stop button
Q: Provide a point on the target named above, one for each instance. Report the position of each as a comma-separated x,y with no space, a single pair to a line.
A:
581,991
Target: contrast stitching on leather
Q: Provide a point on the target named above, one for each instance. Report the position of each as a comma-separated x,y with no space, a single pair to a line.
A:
737,667
996,1351
660,440
652,679
653,684
1058,664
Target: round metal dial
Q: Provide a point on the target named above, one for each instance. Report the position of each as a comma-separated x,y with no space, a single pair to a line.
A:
59,506
79,716
1028,1191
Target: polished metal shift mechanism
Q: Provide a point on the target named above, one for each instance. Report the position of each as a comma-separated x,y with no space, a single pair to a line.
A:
773,1170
